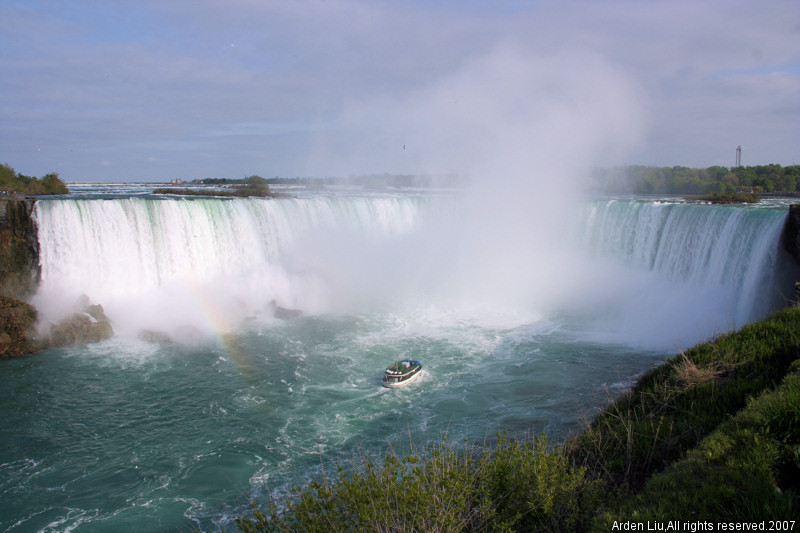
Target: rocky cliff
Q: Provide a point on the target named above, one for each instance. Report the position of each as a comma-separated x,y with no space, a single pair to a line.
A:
17,321
19,248
790,239
20,334
791,232
19,273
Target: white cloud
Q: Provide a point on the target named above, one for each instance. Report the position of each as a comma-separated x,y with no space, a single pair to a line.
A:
113,78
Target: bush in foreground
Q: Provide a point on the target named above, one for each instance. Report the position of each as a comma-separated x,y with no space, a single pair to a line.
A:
512,486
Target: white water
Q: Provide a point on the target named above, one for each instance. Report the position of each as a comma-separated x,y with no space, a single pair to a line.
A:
207,263
645,273
689,272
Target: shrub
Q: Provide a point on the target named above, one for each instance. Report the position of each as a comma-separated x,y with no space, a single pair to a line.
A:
49,184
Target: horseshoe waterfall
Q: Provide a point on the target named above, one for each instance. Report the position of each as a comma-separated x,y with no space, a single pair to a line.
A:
251,335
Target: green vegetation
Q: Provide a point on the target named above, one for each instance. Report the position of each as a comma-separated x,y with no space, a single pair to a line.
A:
683,180
727,198
512,486
252,186
253,181
10,181
713,434
238,192
746,470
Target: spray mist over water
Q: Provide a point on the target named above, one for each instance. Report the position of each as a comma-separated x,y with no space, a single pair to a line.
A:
525,128
667,275
506,250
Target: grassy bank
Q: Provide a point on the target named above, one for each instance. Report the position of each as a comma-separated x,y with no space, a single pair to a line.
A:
711,435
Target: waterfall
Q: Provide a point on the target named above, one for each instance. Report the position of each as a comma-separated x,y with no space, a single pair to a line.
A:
702,268
156,263
162,260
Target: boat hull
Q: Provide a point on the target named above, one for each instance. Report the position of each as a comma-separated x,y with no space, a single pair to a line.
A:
403,383
401,373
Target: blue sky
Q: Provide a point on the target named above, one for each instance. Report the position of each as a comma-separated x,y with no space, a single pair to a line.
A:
153,90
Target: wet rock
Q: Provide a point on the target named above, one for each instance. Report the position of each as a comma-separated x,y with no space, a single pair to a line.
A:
157,337
88,324
19,248
791,232
16,327
284,313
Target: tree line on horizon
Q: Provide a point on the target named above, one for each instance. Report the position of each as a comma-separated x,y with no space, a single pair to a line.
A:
643,179
640,179
13,182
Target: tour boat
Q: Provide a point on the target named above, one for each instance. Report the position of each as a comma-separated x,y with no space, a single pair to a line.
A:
401,373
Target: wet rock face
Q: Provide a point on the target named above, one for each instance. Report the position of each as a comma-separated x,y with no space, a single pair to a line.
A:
78,329
17,320
89,324
19,276
19,248
19,335
791,232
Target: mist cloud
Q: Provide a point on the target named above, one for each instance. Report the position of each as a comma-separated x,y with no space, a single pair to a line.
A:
508,111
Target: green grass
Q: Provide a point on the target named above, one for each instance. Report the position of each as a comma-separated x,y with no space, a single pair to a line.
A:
667,413
713,434
747,469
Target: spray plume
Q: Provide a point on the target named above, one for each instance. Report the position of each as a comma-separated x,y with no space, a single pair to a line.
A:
525,129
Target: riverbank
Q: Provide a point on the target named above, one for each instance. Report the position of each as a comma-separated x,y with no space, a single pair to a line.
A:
711,435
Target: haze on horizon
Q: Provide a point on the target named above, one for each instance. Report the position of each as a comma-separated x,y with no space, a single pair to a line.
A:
151,91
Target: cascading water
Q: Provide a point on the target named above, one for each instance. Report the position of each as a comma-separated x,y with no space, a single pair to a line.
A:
693,271
520,323
155,262
170,258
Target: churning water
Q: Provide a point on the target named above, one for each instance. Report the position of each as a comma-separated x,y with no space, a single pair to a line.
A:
204,400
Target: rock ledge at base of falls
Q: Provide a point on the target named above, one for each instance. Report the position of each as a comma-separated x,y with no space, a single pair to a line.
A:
89,324
19,334
19,277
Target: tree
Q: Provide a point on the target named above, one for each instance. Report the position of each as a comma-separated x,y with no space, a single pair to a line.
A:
53,185
257,180
11,181
8,177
